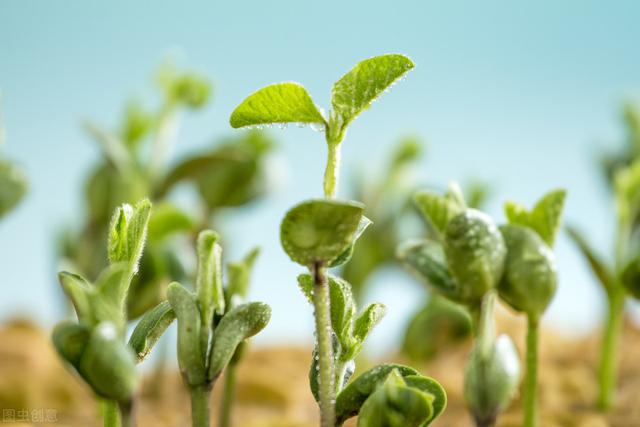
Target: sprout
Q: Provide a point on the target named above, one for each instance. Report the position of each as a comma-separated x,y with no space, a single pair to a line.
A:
321,234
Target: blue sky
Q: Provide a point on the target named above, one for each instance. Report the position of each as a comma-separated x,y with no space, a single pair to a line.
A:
521,95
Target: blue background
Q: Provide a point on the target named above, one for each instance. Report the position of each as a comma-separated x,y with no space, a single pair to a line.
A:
521,95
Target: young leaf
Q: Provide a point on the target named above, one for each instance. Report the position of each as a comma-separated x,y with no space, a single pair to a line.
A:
394,404
128,232
111,287
150,328
70,340
544,218
209,278
240,323
475,253
356,90
277,103
166,220
426,259
239,274
530,277
320,230
433,387
350,399
13,186
190,353
599,268
345,256
438,210
108,365
367,320
77,290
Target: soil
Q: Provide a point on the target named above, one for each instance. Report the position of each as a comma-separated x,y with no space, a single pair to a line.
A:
273,390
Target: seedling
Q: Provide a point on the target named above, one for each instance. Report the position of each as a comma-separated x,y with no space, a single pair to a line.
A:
530,278
320,234
95,345
618,277
211,325
465,262
13,183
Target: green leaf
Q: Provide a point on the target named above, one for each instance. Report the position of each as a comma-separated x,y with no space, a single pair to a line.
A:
13,186
320,230
184,87
277,103
111,287
394,404
239,274
150,328
345,256
70,340
544,218
491,380
475,253
209,279
438,210
108,365
128,232
237,325
530,277
166,220
356,90
432,387
350,399
190,352
631,277
366,321
599,268
426,259
343,311
78,290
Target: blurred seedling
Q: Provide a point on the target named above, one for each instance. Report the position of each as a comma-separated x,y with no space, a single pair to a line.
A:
619,276
530,278
212,325
321,233
13,183
464,261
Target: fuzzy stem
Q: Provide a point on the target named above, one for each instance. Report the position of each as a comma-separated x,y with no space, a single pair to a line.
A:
609,351
531,378
227,396
200,405
332,170
325,349
110,413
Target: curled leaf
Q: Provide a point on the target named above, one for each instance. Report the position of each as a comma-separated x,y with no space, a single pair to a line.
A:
70,340
209,277
433,387
78,290
320,230
238,324
150,328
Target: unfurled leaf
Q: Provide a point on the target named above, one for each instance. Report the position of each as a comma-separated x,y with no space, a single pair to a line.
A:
491,379
357,89
433,387
277,103
77,290
426,259
530,277
319,231
190,352
599,268
438,210
209,278
367,320
150,328
350,399
544,218
240,323
475,253
108,365
345,256
13,186
70,340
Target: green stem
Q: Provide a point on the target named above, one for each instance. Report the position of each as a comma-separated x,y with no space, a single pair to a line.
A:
609,351
326,375
126,414
200,405
531,378
227,396
332,170
110,413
